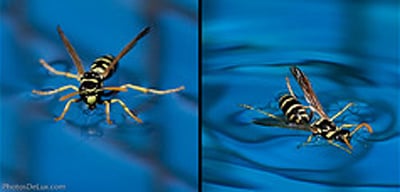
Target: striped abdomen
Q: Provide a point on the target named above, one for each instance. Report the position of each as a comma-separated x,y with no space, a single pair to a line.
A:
294,111
101,64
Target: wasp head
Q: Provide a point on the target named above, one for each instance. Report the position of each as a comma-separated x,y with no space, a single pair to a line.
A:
344,136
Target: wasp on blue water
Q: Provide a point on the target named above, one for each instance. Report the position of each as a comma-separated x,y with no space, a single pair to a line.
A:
91,90
297,117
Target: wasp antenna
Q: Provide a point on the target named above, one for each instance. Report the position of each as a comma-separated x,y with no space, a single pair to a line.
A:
346,141
369,128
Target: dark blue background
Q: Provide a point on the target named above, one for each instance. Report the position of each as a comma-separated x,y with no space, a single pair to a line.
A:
349,50
82,151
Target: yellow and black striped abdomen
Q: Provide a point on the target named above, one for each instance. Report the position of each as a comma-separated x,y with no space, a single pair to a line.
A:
294,111
101,64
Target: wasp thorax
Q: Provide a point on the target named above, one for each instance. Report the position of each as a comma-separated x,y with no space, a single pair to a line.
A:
90,81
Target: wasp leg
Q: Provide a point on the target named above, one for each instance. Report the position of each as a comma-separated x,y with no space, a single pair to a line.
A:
262,112
360,126
68,96
307,142
341,111
154,91
51,69
113,90
117,89
339,146
63,88
347,126
290,87
126,110
66,108
107,109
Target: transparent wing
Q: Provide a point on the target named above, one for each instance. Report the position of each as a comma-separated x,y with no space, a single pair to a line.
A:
270,122
74,56
308,91
126,49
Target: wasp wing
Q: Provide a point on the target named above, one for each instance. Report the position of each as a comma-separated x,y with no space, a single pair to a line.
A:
126,49
74,56
269,122
308,91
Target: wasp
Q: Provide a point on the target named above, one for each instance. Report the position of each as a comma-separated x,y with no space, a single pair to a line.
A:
324,126
297,118
91,90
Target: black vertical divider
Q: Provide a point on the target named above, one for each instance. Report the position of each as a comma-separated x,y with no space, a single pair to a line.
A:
200,94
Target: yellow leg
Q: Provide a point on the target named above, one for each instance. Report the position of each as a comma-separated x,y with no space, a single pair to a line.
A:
347,126
339,146
154,91
330,142
115,89
68,96
290,87
127,110
63,88
66,108
108,112
307,142
51,69
341,111
262,112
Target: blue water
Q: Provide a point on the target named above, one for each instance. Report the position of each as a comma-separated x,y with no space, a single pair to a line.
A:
350,52
82,152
